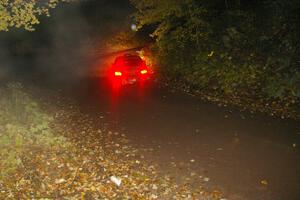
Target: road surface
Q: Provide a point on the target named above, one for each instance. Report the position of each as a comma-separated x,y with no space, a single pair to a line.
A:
245,156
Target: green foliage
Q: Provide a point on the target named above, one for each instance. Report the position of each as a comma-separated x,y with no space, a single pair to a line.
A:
22,125
234,48
24,13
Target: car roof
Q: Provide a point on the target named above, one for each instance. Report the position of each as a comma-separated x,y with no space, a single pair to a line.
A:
129,56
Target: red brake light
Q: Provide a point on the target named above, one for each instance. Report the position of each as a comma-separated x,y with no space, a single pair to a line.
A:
144,71
118,73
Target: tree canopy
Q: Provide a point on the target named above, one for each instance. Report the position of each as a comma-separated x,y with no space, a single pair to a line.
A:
24,13
227,45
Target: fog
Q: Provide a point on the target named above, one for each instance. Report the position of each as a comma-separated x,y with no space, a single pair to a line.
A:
63,47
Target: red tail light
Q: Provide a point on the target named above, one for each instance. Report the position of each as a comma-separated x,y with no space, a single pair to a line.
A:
118,73
144,71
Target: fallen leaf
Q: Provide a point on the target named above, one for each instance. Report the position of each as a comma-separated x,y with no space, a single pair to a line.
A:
264,182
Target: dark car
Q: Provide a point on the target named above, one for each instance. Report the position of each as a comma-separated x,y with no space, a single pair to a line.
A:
129,69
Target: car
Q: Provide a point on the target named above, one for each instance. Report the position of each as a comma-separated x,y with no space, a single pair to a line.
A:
129,69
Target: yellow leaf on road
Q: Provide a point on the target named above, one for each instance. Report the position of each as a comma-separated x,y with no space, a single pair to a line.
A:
264,182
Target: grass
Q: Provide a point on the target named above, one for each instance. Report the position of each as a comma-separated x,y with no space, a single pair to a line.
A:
23,125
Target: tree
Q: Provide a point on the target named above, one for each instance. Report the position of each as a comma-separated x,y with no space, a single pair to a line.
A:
24,13
227,46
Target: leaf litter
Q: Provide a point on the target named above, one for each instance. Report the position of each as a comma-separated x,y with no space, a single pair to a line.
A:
95,163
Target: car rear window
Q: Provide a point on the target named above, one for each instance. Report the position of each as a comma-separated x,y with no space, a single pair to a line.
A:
129,60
